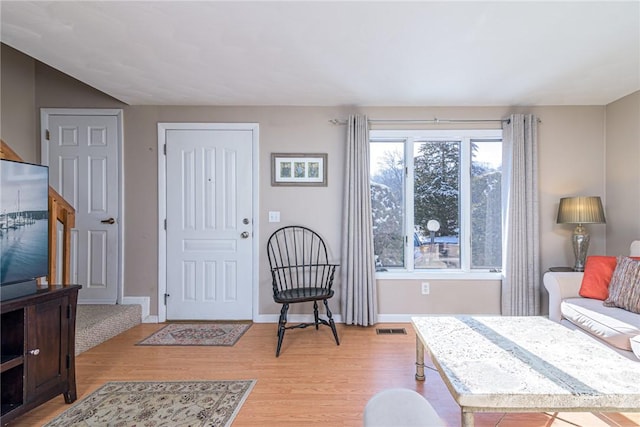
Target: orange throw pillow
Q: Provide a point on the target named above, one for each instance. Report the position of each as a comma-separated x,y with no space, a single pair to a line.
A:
598,271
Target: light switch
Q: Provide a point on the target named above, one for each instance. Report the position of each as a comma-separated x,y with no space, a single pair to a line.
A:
274,216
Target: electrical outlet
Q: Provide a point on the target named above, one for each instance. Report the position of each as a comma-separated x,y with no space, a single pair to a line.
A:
425,288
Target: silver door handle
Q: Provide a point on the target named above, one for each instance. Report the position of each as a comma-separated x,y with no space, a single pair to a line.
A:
244,234
108,221
34,352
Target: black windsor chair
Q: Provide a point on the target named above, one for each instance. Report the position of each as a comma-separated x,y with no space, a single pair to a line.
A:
300,272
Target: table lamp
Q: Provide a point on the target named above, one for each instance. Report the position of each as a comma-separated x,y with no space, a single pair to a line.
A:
580,210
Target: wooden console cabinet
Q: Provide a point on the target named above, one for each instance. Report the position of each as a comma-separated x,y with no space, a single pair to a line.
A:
38,349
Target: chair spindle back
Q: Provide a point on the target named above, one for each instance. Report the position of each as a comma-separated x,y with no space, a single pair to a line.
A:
298,260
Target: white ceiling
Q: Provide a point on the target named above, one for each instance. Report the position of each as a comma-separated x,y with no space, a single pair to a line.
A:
381,53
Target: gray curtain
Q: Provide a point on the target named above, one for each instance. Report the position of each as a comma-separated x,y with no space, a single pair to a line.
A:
359,297
521,247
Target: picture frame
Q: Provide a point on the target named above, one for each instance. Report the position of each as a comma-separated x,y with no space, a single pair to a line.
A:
299,169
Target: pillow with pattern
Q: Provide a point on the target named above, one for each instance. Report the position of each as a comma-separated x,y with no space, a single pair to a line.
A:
624,288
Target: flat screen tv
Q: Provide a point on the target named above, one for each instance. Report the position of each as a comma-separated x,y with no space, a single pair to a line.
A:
24,227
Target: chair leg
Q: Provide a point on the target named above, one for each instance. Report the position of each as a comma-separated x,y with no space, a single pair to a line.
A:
331,322
281,326
315,314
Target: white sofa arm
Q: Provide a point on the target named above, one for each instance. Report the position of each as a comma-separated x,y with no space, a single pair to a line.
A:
561,286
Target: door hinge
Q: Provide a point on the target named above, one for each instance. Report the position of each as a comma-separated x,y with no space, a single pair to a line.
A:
165,149
165,223
165,298
68,361
47,135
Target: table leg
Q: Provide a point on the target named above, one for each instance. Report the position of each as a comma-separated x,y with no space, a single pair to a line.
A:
419,360
467,418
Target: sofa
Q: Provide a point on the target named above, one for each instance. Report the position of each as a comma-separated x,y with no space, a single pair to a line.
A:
613,326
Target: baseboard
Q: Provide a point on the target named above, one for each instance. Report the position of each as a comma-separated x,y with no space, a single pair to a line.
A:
306,318
395,318
145,303
266,318
151,319
293,318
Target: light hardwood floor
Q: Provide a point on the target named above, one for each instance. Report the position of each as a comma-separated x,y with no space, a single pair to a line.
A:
312,383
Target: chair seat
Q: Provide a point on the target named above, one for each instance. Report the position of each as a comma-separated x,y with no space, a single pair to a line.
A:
302,294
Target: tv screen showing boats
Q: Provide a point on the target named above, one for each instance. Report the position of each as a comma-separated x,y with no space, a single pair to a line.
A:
24,214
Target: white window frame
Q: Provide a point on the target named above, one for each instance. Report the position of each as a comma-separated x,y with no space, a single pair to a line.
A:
464,136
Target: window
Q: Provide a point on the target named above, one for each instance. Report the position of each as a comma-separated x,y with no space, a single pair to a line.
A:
436,199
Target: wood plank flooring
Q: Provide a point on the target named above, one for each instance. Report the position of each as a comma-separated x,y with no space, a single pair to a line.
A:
312,383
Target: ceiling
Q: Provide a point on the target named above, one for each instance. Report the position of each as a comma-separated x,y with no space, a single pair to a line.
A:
381,53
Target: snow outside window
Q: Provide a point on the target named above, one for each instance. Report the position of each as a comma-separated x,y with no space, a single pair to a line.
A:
436,199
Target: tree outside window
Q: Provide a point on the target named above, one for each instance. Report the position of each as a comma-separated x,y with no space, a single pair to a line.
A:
462,205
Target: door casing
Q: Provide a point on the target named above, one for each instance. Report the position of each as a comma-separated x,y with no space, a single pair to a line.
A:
162,205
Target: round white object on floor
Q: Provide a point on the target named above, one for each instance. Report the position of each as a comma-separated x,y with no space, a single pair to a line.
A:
400,407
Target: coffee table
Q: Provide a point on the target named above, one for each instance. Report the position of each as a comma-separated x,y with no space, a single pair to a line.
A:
524,364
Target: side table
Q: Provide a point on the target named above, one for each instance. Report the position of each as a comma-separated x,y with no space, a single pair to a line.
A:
561,269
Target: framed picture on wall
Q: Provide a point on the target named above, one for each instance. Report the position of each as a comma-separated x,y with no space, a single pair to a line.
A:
299,169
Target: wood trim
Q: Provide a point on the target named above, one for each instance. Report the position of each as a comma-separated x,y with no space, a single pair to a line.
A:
59,211
7,152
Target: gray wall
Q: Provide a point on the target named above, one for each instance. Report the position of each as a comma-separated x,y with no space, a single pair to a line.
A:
623,173
18,104
571,141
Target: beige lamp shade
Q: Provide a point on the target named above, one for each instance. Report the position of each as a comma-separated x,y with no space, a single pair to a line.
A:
580,210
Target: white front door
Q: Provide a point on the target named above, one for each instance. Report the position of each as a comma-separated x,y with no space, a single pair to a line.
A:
82,148
209,223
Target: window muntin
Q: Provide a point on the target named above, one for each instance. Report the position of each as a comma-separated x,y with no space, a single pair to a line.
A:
467,206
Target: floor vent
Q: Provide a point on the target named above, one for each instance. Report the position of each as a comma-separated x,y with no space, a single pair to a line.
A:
396,331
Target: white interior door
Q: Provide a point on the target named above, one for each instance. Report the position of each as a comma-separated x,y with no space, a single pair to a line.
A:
82,152
209,227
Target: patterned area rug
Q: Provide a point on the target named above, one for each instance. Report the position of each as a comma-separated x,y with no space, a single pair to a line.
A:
184,403
223,334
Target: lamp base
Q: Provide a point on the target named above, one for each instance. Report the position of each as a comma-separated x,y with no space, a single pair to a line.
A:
580,241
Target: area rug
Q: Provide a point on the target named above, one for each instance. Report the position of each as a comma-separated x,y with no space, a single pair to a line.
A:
183,403
222,334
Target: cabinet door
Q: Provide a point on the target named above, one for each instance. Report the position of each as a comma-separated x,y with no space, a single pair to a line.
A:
47,347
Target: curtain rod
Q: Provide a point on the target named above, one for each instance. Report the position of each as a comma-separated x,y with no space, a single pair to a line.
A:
435,121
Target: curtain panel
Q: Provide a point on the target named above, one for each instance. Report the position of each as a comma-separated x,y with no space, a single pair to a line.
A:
521,243
359,296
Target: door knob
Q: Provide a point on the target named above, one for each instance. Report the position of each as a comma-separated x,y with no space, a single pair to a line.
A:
108,221
34,352
244,235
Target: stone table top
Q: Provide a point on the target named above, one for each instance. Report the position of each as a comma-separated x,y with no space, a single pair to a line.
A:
527,363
